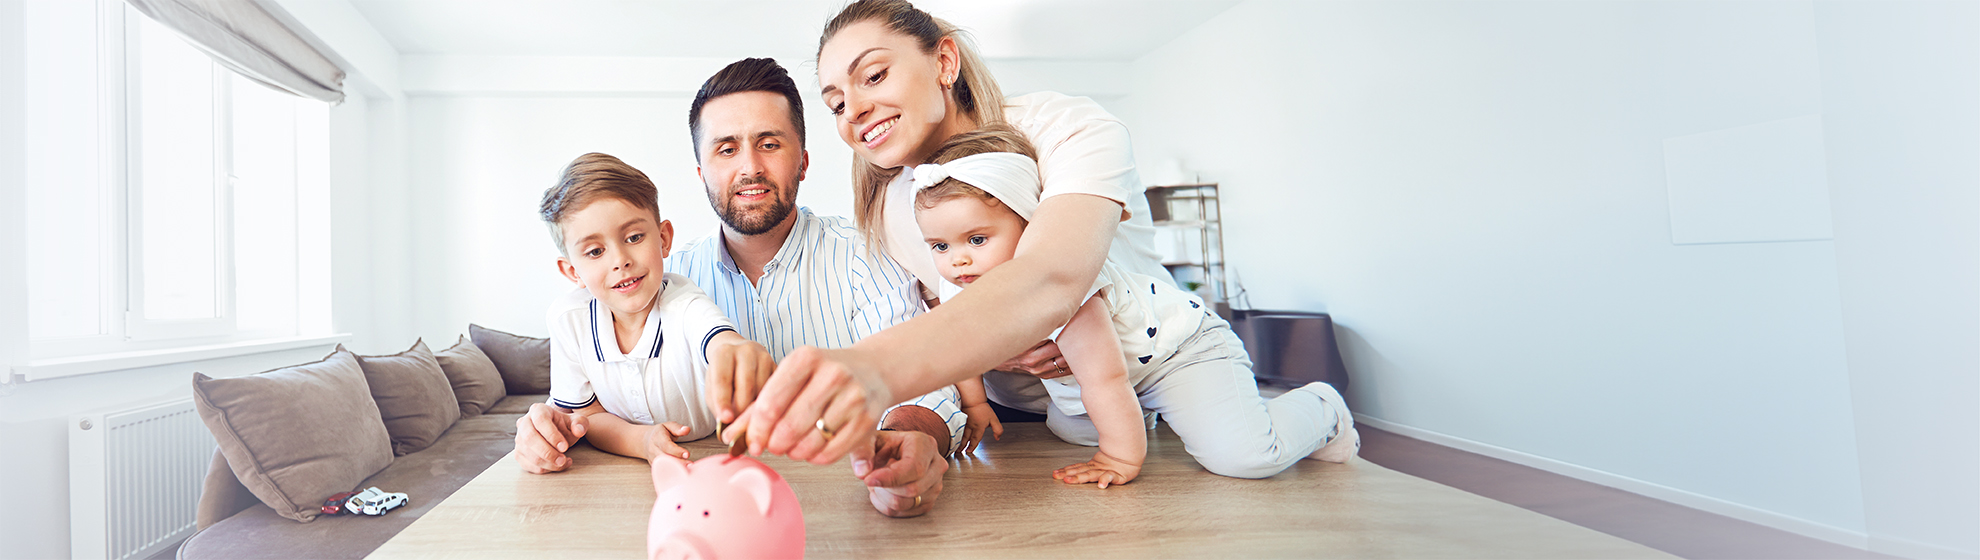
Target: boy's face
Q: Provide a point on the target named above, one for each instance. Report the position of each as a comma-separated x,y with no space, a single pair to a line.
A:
969,236
615,250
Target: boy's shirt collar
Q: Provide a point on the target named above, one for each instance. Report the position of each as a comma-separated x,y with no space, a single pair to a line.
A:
650,339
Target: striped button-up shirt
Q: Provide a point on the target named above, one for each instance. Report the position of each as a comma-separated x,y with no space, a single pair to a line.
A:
823,288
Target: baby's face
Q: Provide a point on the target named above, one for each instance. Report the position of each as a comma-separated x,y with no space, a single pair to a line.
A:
969,236
615,251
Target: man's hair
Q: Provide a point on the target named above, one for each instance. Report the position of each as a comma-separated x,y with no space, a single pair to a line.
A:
749,74
590,178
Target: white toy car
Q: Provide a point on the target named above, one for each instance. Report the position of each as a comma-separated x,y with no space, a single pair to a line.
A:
373,501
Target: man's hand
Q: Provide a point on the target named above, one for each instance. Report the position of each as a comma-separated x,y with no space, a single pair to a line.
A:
1042,361
907,473
737,368
544,435
660,442
981,419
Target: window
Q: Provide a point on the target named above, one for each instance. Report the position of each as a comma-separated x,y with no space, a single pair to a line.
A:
171,203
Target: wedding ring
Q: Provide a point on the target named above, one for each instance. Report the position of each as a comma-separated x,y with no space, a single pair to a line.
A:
824,430
917,501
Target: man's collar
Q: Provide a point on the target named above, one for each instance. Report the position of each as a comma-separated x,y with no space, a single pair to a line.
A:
787,253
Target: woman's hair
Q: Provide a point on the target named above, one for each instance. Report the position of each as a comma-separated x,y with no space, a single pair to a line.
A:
975,92
996,137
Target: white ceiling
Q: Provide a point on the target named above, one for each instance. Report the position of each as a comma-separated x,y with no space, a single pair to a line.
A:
1005,29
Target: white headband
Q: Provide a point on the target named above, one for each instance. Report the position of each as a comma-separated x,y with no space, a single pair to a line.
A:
1012,178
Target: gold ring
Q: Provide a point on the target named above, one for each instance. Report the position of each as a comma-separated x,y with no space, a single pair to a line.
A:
824,430
917,501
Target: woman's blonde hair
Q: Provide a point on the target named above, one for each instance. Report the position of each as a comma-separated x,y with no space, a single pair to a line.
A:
996,137
975,92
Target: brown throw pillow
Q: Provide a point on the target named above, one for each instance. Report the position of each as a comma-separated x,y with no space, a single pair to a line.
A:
477,384
413,396
523,361
298,434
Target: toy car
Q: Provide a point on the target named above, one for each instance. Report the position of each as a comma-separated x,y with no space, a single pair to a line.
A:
373,501
335,505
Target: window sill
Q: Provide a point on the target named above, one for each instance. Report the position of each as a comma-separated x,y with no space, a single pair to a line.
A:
39,370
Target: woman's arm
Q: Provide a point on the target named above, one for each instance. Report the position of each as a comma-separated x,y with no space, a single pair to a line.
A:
1005,312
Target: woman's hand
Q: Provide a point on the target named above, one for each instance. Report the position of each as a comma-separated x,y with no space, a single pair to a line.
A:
819,406
1042,361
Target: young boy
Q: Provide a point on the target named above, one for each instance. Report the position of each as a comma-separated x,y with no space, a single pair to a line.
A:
631,346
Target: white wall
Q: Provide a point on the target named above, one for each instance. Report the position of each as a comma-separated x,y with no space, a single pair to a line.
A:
1476,192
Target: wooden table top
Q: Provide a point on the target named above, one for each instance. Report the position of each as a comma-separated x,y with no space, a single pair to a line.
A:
1003,503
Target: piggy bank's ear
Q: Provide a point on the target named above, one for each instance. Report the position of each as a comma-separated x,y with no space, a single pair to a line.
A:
755,483
667,472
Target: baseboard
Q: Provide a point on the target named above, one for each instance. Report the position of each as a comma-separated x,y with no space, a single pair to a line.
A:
1692,500
1914,549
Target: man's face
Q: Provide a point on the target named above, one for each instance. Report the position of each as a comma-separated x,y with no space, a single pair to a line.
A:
751,162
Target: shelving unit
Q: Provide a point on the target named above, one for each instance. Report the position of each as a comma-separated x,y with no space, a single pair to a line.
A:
1192,216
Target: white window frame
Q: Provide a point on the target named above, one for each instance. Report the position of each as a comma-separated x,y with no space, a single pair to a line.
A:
128,338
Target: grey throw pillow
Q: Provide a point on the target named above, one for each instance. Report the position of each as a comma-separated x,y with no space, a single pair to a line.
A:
523,361
413,397
296,435
477,384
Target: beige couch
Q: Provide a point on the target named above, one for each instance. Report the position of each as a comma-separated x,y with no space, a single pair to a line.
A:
294,455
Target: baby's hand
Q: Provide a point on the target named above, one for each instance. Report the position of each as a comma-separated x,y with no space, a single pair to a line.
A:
660,442
1104,469
981,419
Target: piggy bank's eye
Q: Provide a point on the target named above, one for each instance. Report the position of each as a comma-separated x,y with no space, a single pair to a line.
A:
677,507
704,513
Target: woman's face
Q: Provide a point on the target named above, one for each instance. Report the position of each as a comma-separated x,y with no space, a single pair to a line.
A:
886,95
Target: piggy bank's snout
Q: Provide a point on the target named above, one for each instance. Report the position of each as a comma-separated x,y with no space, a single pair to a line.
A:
682,546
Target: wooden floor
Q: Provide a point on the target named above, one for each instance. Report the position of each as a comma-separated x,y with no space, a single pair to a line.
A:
1003,503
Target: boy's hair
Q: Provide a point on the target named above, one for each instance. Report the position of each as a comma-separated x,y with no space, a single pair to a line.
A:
995,137
749,74
590,178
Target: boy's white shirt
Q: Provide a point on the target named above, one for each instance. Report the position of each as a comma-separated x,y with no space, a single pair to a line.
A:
660,380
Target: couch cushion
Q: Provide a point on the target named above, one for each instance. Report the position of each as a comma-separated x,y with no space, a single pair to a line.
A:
523,361
477,384
413,396
294,436
427,477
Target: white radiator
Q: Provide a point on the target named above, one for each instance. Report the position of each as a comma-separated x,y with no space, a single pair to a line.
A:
134,479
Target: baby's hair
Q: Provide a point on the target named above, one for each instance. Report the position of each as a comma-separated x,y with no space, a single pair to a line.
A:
994,137
590,178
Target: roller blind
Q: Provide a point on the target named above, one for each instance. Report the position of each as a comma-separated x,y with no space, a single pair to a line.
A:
242,36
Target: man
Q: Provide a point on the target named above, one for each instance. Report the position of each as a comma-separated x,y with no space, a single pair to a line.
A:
788,278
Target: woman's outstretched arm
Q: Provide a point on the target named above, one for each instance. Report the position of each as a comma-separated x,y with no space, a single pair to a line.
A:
1000,315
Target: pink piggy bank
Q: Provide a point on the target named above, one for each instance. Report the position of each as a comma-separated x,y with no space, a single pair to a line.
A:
723,507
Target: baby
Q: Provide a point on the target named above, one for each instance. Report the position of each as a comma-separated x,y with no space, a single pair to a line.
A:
1136,342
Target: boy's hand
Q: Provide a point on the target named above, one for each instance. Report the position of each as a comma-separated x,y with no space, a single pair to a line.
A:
981,419
1104,469
660,441
737,369
544,435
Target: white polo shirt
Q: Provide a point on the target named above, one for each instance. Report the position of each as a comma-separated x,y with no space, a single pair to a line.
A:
660,380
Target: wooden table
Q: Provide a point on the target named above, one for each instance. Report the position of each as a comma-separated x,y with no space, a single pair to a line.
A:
1003,503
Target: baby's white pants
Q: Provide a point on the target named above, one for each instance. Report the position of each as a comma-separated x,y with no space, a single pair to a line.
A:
1208,395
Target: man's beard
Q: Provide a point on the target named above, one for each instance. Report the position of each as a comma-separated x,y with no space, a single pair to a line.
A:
752,222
